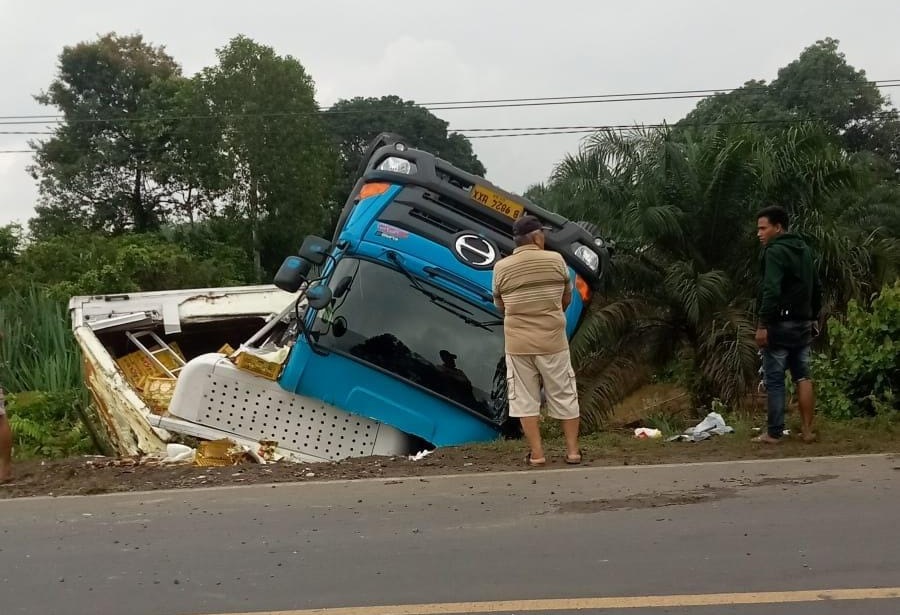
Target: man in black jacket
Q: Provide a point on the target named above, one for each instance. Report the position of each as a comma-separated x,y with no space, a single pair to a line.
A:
789,303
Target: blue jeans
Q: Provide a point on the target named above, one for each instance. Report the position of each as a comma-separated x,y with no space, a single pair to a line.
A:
788,349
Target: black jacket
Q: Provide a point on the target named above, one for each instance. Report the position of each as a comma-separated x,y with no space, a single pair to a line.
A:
790,289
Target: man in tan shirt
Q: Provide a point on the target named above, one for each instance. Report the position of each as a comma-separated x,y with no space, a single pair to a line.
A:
533,289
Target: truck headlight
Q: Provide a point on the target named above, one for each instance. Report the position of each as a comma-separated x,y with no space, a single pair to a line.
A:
397,165
588,257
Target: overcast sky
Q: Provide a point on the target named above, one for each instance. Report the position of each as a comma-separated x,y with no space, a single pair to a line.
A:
459,50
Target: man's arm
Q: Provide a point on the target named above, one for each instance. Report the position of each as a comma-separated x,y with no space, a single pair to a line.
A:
567,297
771,288
498,300
567,290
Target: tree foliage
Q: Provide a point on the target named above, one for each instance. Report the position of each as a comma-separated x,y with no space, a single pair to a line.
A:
273,157
99,168
156,180
859,374
819,86
681,207
90,263
353,124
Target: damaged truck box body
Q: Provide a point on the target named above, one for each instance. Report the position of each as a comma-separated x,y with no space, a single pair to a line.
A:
383,340
129,343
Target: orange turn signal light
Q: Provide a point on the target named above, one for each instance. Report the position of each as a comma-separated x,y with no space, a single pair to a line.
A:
584,290
373,189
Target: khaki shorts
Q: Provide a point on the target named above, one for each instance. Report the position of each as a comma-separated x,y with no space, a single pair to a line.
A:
524,375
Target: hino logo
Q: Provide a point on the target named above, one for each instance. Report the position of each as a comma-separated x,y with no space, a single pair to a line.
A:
475,251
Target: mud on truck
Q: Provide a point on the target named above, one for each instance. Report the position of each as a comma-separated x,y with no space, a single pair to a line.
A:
382,340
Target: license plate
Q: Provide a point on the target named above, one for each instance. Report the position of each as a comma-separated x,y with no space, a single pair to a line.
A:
497,202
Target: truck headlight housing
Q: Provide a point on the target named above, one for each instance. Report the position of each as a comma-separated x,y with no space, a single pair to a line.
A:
397,165
588,257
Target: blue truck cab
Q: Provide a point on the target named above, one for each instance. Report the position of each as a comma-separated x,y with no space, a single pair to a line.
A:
399,324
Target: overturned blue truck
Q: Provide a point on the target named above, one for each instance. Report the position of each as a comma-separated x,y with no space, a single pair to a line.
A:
386,339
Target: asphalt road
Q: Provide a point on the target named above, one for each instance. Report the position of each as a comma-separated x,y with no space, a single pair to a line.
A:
746,538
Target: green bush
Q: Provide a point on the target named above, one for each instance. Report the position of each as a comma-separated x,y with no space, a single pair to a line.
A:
40,368
88,264
49,424
37,348
859,374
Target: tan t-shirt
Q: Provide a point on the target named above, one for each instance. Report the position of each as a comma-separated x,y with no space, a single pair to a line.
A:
530,284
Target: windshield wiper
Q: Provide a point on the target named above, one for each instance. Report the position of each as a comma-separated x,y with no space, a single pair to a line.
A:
466,319
439,301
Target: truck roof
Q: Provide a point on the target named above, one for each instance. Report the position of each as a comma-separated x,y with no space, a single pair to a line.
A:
471,202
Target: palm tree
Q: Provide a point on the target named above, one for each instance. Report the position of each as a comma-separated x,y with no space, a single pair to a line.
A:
680,205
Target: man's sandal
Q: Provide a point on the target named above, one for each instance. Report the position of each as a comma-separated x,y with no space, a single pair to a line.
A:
534,463
573,460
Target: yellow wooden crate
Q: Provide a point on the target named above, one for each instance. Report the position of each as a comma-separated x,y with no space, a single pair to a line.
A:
218,453
258,365
137,366
157,392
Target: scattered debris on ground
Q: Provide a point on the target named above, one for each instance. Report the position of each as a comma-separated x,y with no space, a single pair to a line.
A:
712,425
96,475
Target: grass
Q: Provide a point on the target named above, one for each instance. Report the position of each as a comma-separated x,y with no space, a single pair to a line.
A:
40,368
37,349
40,365
617,445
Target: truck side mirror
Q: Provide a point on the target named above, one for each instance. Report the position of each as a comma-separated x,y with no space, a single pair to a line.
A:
319,296
292,273
314,249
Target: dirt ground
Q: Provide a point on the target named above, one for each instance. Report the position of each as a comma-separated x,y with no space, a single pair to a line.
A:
95,475
614,446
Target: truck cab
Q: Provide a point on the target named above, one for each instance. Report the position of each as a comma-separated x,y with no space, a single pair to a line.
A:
395,319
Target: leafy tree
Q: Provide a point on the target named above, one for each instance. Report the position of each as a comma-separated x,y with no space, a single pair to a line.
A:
354,123
820,85
86,263
750,104
681,206
98,169
273,159
10,243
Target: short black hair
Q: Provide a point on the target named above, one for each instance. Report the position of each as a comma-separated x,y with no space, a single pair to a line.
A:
524,240
526,225
776,214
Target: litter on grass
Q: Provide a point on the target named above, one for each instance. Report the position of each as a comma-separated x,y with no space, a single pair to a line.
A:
712,425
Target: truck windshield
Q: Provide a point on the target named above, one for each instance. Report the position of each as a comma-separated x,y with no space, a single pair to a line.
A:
418,332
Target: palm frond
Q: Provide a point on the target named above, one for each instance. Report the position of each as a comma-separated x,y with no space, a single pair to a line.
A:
695,293
728,354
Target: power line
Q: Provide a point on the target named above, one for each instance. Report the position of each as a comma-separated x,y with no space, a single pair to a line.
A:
14,120
534,131
582,128
593,127
574,129
559,102
744,89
